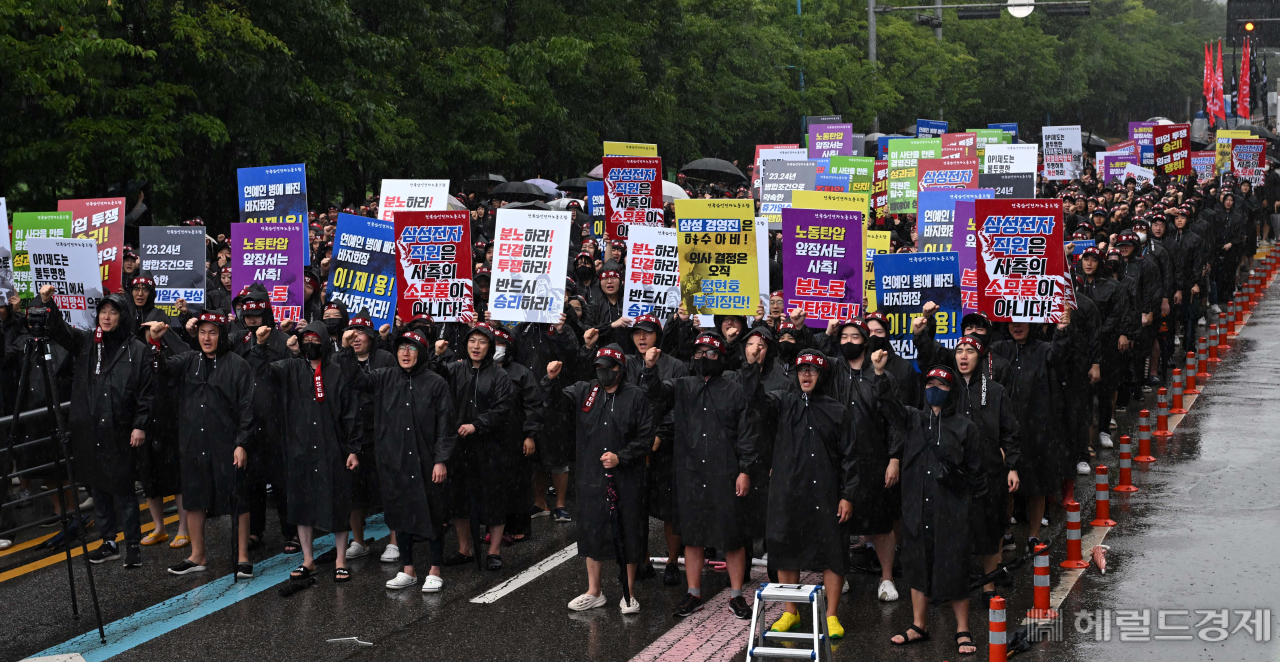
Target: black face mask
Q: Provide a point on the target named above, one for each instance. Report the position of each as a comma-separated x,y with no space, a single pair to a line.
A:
851,351
312,350
608,376
333,325
709,367
877,343
788,350
584,273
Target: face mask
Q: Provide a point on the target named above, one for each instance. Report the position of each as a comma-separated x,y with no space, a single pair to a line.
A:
312,351
584,273
607,376
851,351
1116,265
499,353
788,350
935,396
877,343
709,367
333,325
1142,236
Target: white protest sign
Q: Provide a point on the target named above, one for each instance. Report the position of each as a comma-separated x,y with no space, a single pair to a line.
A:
530,263
1138,173
653,273
1063,154
1000,158
412,195
71,267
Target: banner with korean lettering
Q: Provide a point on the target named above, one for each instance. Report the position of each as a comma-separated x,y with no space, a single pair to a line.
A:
936,220
362,273
102,220
905,282
880,188
629,149
1139,174
34,225
875,242
959,145
859,169
1009,185
955,173
271,253
1126,147
6,254
595,209
1249,159
175,256
1172,143
931,128
530,260
1110,165
827,140
1010,128
273,194
904,158
965,236
1020,259
718,271
70,266
822,264
780,180
399,195
1222,147
1202,166
1063,152
652,284
1010,159
1142,134
433,266
760,150
632,193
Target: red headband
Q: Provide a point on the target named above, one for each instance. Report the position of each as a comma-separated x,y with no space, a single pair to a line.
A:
502,333
811,359
422,317
609,274
877,316
647,318
254,305
415,336
777,294
144,280
361,321
785,325
711,341
211,317
940,373
970,340
614,354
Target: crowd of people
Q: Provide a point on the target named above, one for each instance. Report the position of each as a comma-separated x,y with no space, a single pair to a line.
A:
815,447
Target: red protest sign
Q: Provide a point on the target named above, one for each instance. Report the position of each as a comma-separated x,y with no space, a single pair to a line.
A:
948,173
1172,144
880,188
102,220
632,193
433,263
1020,259
960,145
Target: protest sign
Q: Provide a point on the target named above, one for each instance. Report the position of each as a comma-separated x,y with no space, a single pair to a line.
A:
1202,166
362,274
273,194
959,145
762,264
905,282
34,225
530,260
1009,185
1222,148
904,158
629,149
1126,147
984,138
102,220
755,170
6,255
1009,159
718,271
271,254
931,128
174,256
1020,259
1249,159
400,195
780,180
1141,132
1110,165
874,242
433,266
1172,145
859,169
936,220
818,119
1010,128
827,140
829,183
652,275
822,264
632,193
1063,154
880,188
955,173
1139,174
595,209
831,200
965,236
70,266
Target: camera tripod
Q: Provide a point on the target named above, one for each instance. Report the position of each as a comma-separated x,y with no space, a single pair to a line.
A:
38,354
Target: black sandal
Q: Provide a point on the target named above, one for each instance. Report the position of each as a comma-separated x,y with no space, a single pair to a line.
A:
906,637
961,644
301,573
292,547
986,598
341,575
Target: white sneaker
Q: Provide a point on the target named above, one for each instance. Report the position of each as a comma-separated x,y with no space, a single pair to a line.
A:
1200,322
87,504
633,608
1216,310
401,580
432,584
355,550
587,601
1083,469
887,592
5,544
1104,440
389,555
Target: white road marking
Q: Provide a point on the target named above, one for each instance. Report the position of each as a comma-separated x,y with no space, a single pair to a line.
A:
531,573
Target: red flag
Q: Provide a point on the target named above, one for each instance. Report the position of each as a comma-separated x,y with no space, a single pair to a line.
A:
1219,103
1242,93
1208,83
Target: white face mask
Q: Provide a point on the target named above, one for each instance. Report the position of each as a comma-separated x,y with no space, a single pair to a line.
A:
1142,236
499,353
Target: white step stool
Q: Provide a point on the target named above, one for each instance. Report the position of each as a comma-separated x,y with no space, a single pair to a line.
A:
816,596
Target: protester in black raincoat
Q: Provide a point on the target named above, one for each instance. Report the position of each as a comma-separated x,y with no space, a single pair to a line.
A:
112,391
1150,293
1079,376
759,347
217,296
931,352
483,398
322,435
615,431
1187,254
1113,333
538,345
335,320
714,449
606,315
942,473
814,477
414,438
522,430
313,303
214,389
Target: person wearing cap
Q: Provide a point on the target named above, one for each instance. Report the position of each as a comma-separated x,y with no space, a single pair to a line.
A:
931,352
1112,339
942,474
360,353
335,320
1232,232
1148,293
322,436
714,449
1098,229
218,294
130,265
877,442
483,398
606,316
1187,255
414,438
813,476
214,388
1152,250
615,431
584,270
522,431
1079,377
618,251
112,391
313,301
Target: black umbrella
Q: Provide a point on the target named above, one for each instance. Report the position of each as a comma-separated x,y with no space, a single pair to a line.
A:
713,170
518,191
481,181
619,545
1258,131
575,184
1093,142
536,204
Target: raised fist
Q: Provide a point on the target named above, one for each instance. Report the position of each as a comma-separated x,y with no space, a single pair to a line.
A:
553,369
441,345
263,332
651,357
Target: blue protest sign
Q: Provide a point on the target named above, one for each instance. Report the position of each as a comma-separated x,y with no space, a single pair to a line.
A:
937,212
274,194
905,282
1011,127
363,271
931,128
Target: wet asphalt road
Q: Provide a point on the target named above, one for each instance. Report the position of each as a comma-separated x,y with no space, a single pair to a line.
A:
1197,536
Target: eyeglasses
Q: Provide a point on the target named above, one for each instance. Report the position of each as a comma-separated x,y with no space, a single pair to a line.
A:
709,353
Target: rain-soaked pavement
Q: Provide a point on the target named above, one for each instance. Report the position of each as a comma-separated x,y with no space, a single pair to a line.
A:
1196,539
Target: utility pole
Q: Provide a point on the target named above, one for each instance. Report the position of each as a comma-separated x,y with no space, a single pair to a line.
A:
871,53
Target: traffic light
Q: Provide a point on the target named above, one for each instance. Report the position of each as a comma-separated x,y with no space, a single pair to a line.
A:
1248,26
928,20
1066,10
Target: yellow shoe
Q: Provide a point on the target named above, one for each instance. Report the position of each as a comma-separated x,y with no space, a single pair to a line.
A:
180,541
834,629
785,623
154,538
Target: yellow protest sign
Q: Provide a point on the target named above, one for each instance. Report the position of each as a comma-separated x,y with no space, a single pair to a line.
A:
630,149
1222,153
832,201
717,253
